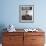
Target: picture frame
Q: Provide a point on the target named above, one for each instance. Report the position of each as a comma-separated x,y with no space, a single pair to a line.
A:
26,13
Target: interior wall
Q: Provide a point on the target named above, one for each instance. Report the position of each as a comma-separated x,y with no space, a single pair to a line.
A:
10,13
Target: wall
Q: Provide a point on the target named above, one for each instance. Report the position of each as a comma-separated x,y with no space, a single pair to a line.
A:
9,13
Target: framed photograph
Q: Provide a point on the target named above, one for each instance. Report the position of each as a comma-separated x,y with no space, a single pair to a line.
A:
26,13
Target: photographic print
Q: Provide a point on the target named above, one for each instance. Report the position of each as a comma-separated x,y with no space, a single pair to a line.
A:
26,13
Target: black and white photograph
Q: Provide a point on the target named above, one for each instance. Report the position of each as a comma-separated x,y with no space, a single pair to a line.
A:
26,13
